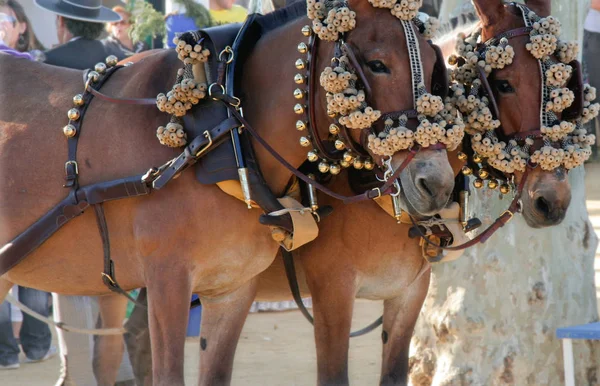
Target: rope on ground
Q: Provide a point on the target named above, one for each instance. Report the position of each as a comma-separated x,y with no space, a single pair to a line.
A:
97,331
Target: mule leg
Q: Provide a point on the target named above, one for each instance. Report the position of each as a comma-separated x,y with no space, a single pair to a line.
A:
108,349
333,302
399,318
168,309
222,323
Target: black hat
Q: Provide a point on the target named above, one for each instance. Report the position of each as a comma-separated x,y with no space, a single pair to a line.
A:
85,10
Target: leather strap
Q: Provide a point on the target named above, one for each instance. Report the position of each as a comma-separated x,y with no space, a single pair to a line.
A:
122,101
108,276
194,150
72,206
346,49
290,272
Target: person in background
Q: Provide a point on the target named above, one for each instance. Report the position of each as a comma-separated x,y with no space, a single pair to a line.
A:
225,12
79,24
17,30
591,58
119,34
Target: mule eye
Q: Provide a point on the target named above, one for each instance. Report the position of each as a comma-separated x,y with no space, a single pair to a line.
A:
504,86
377,66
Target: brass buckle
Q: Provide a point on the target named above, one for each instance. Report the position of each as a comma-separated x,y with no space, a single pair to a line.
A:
71,163
110,279
510,213
205,148
227,50
378,193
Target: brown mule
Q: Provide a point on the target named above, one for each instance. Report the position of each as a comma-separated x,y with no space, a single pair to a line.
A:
187,237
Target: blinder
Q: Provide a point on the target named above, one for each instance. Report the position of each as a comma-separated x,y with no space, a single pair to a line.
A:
439,78
575,84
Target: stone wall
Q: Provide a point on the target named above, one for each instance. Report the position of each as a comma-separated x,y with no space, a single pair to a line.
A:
490,317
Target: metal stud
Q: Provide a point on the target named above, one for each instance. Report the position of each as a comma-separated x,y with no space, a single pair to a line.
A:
305,142
483,174
331,114
69,131
348,157
299,78
335,169
358,163
478,183
340,145
112,60
504,189
302,48
369,164
334,129
477,158
73,114
78,100
94,76
467,170
100,68
298,108
493,184
462,156
306,31
312,156
300,125
323,167
300,64
298,94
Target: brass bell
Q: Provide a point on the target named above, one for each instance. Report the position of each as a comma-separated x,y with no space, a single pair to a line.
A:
305,142
467,170
300,64
334,129
462,156
331,114
348,157
298,94
73,114
302,48
335,169
323,167
299,78
344,164
300,125
306,31
504,189
483,174
112,60
358,163
477,158
340,145
478,183
369,164
493,184
312,156
78,100
452,60
298,108
100,68
94,76
69,131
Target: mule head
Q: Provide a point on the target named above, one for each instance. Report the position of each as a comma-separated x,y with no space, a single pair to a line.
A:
379,44
532,99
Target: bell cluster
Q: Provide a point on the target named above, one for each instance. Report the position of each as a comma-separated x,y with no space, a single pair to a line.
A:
558,74
189,54
172,135
182,97
560,99
330,19
74,114
590,110
402,9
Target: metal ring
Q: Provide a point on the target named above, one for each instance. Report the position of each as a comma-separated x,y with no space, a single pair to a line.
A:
210,93
227,50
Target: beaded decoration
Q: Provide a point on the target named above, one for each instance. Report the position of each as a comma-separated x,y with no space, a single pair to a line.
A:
186,91
565,143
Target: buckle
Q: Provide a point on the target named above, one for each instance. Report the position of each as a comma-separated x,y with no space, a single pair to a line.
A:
205,148
378,193
74,163
511,214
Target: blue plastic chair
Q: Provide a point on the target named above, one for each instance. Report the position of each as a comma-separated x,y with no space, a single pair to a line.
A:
567,334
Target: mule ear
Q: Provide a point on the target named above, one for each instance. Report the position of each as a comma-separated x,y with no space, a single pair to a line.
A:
489,11
542,8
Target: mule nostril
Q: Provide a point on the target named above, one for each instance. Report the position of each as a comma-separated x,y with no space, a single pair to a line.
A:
542,205
424,187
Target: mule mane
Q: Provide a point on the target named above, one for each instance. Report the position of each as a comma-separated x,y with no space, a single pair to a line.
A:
282,16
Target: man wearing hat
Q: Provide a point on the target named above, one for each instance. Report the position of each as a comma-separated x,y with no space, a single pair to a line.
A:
79,24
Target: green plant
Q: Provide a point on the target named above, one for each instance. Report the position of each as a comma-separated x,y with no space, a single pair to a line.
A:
199,13
147,21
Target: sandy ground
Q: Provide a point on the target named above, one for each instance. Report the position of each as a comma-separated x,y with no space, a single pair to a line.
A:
277,348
